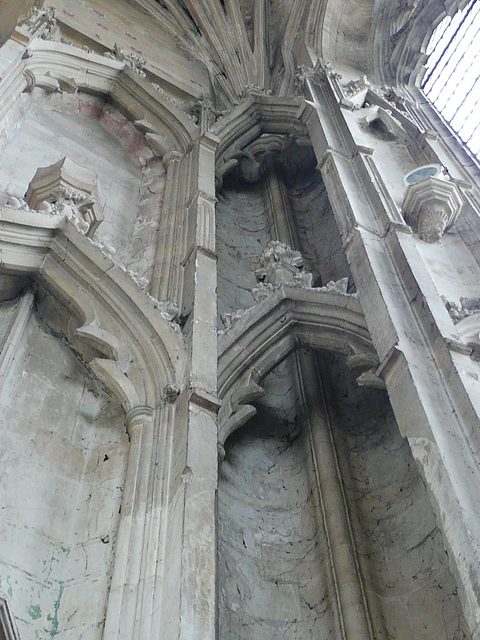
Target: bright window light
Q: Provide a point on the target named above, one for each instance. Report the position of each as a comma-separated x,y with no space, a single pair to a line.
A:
452,78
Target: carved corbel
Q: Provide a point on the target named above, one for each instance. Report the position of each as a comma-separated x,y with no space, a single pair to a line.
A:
236,410
431,205
171,393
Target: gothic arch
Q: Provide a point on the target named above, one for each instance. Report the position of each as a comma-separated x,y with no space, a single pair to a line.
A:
254,116
288,319
59,67
119,330
401,38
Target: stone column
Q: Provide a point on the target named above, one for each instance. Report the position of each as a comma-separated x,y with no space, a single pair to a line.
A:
427,394
352,605
163,279
198,589
284,226
122,620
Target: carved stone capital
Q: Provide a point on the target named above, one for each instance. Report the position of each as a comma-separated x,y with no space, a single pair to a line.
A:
30,81
171,156
171,393
138,417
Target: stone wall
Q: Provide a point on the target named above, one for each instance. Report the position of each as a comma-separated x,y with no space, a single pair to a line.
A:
95,135
274,574
410,589
64,450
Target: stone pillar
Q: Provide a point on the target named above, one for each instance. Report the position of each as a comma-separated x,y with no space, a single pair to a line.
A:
352,604
427,395
198,589
122,620
260,45
163,279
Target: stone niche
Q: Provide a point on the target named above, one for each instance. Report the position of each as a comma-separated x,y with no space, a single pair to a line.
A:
67,187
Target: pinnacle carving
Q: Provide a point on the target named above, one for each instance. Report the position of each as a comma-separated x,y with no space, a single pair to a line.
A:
322,70
65,188
279,264
131,60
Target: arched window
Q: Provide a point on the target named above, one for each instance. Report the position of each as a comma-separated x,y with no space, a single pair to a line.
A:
452,78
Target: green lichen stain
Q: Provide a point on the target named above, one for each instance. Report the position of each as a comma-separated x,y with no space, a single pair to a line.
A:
9,590
34,611
54,618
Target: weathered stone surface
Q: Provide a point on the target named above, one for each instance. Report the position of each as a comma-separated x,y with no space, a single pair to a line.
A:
248,158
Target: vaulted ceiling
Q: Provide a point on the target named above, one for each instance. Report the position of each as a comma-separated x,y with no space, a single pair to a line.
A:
256,45
244,43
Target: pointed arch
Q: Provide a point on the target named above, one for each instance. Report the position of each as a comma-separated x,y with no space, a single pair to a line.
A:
138,352
56,66
290,318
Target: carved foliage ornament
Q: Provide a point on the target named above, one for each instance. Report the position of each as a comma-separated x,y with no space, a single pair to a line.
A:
322,70
131,60
281,265
66,188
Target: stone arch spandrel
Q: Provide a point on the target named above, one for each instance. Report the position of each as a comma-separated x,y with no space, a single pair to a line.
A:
139,118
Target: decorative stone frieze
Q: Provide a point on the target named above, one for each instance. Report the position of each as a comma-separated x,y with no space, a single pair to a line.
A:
68,189
431,207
